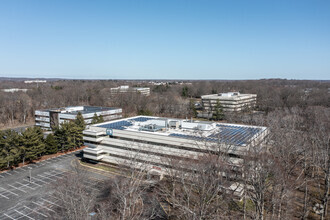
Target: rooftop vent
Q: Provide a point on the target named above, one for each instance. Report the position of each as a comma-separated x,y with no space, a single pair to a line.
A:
151,127
229,94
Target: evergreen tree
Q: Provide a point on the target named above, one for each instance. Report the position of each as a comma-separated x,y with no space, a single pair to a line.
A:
185,91
75,136
80,122
95,119
33,146
50,145
68,136
218,115
9,148
60,136
77,131
101,119
193,108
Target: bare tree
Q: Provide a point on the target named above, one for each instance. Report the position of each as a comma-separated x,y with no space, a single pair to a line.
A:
76,198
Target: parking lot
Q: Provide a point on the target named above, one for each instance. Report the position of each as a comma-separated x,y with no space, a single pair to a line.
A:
26,192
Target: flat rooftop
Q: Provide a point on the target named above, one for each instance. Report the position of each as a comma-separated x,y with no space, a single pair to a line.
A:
228,95
73,110
231,134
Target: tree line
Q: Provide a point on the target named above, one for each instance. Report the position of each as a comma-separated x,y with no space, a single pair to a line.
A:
171,99
22,147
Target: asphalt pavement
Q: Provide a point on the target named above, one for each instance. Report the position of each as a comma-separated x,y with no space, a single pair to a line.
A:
26,192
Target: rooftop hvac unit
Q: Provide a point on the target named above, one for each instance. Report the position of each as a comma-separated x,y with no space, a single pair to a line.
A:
174,124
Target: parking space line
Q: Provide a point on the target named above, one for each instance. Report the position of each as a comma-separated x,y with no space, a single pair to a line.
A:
32,182
50,202
24,214
35,179
26,185
41,180
43,206
36,211
45,177
9,191
54,173
8,216
17,188
4,196
7,173
50,174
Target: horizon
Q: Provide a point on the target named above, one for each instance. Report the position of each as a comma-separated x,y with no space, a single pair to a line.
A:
165,79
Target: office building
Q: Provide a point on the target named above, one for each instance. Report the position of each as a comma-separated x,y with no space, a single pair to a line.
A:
148,142
229,102
49,118
12,90
126,89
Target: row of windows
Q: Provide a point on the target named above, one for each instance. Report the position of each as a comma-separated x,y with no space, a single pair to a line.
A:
234,174
181,147
145,152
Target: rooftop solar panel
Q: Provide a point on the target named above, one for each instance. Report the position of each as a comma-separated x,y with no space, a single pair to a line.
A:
142,119
229,134
236,135
117,125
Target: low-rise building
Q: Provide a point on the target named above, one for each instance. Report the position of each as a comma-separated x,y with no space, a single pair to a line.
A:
149,142
46,119
35,81
230,102
126,89
12,90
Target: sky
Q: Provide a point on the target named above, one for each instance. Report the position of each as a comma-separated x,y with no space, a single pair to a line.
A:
165,39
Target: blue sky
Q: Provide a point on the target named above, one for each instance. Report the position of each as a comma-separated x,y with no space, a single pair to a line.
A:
165,39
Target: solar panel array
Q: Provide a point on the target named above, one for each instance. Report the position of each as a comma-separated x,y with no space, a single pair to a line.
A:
229,134
141,119
122,124
117,125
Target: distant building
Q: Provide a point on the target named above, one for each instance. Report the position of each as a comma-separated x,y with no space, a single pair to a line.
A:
149,142
35,81
46,119
14,90
230,102
126,89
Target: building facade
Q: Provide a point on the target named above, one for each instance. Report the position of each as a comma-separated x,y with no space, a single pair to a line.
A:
229,102
35,81
12,90
46,119
126,89
149,142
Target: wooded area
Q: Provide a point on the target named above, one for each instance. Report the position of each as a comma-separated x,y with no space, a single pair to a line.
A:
171,99
286,181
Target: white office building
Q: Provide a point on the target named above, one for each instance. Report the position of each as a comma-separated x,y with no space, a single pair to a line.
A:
53,117
35,81
126,89
150,141
12,90
230,102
